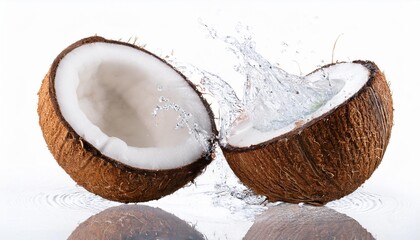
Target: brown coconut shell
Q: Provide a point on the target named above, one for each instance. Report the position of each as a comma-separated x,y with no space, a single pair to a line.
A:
290,221
96,172
135,222
327,158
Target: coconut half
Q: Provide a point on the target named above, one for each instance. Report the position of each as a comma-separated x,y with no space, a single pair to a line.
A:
325,155
98,110
290,221
135,222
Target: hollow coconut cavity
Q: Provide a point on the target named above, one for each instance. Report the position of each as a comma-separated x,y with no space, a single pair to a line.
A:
325,154
122,122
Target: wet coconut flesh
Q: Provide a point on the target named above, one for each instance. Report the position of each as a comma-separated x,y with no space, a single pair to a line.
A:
122,122
306,139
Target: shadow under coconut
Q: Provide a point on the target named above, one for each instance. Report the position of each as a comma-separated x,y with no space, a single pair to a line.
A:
135,222
292,221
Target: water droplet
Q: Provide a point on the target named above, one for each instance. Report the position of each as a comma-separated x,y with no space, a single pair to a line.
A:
176,107
163,99
183,121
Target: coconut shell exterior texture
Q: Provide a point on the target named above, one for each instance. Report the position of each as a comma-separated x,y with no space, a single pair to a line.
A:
327,158
97,173
135,222
290,221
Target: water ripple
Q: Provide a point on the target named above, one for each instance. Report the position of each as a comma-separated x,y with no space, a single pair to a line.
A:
72,198
364,202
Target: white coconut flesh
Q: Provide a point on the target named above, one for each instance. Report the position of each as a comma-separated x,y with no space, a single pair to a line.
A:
108,94
354,76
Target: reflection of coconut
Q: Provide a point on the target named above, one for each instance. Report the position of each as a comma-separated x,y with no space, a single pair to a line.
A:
290,221
135,222
325,155
98,113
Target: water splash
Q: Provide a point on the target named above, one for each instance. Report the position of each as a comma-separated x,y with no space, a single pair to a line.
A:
231,194
272,98
183,120
229,105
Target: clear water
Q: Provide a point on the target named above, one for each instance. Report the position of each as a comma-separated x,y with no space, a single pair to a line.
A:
272,98
230,193
229,106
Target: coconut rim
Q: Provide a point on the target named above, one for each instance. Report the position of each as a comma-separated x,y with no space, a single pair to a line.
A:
206,155
372,70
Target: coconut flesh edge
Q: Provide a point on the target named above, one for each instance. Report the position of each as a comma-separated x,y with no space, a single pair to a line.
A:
108,93
354,76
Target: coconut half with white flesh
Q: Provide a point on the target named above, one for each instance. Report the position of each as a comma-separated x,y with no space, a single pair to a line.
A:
123,123
326,154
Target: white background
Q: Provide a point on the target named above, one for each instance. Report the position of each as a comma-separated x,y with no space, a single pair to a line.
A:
298,35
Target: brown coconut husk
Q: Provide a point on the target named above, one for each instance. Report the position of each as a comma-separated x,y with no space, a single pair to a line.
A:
327,158
96,172
135,222
290,221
